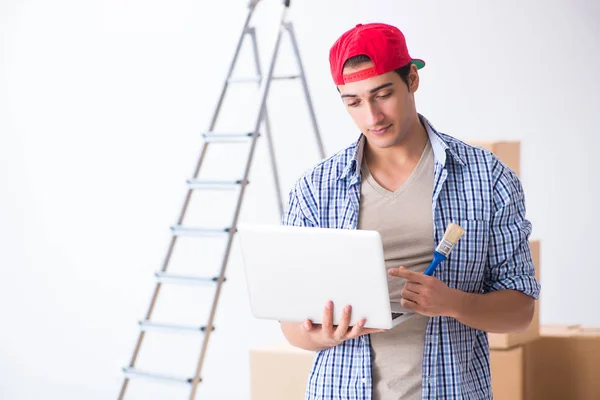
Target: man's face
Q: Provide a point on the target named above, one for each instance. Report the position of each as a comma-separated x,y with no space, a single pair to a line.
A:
381,106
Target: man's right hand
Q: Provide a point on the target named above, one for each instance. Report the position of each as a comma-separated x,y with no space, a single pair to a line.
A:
326,335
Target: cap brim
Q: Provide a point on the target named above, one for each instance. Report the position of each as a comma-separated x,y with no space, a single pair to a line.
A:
419,63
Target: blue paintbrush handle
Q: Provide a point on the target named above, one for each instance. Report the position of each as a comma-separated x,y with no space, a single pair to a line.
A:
437,259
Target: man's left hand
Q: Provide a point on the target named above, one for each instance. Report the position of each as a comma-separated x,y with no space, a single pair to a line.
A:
425,294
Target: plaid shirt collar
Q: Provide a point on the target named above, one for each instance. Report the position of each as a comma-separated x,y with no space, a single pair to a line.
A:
440,151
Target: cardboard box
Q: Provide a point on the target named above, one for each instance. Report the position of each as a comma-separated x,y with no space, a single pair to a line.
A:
508,340
509,152
279,372
564,363
509,374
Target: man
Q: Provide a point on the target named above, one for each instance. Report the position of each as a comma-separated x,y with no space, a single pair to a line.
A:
408,181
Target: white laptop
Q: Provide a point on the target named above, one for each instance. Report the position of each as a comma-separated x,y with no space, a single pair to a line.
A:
292,272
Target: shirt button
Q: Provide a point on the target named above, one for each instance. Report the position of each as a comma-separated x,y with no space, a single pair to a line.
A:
364,380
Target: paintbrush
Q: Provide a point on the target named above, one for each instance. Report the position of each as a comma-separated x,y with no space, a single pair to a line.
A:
451,237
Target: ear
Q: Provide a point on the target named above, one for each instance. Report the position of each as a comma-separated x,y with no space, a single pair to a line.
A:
413,79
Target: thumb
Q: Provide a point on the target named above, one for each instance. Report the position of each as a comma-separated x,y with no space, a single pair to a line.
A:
307,325
396,271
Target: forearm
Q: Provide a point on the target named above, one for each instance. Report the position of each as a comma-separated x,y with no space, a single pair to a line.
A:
298,337
501,311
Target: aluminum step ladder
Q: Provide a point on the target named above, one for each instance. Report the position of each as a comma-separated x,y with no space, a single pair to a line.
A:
211,137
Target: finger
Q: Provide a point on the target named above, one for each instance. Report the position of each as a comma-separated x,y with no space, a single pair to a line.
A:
342,328
307,325
408,295
413,287
328,319
356,330
359,330
409,305
372,330
409,275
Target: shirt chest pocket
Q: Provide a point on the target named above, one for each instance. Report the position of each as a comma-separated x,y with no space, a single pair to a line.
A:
465,267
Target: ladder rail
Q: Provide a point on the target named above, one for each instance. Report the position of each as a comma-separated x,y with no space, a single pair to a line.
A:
267,123
265,85
238,47
311,111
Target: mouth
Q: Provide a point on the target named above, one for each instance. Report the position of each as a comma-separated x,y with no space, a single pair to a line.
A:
381,131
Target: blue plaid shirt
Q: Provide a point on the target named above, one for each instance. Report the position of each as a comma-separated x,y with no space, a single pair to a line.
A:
473,188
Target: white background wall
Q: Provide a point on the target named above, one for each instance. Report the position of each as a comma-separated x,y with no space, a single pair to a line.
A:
101,106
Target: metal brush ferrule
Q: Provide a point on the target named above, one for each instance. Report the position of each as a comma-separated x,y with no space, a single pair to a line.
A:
445,247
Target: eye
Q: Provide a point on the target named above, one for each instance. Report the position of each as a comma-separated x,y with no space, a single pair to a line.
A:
353,104
384,96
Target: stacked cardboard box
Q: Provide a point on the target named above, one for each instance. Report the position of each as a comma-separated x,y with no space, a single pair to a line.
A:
279,372
509,372
506,352
548,363
509,152
564,364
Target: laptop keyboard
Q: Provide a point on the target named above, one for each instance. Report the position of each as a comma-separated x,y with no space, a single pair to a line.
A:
396,315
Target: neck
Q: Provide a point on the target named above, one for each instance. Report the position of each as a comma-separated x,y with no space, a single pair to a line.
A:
404,153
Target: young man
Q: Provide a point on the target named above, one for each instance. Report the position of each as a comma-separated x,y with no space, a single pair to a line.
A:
408,181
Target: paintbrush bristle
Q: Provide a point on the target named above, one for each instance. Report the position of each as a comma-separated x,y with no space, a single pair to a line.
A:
453,233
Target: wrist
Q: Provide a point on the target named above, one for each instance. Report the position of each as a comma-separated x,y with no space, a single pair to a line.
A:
459,304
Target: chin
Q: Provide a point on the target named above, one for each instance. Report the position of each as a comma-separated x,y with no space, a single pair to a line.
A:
382,142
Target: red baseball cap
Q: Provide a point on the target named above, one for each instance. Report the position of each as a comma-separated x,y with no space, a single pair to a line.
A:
384,44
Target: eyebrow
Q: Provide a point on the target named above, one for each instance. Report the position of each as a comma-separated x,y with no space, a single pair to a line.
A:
372,90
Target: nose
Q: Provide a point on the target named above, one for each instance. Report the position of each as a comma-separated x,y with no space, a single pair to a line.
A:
374,115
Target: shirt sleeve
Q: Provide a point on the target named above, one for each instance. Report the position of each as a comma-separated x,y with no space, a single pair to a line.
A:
510,265
293,214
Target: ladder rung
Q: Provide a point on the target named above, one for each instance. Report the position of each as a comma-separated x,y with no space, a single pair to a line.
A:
131,372
164,277
228,137
257,79
179,230
286,77
254,79
155,326
217,185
